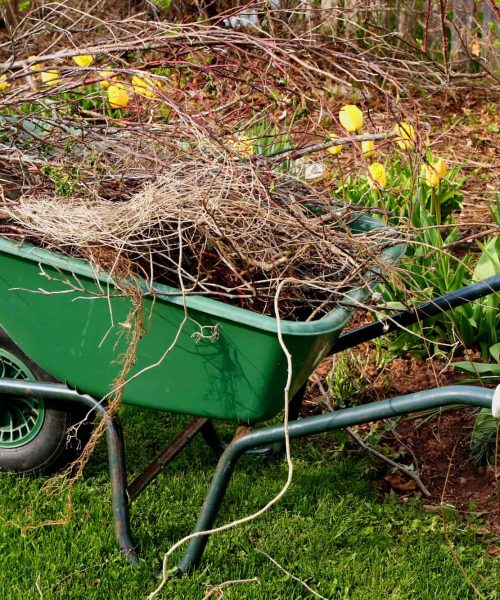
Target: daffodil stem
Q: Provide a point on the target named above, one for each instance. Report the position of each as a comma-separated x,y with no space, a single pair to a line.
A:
341,171
436,204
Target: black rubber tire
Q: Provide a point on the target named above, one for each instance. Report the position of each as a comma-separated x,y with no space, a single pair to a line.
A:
52,449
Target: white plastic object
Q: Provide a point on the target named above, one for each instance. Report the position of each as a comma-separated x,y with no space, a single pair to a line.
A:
495,405
314,172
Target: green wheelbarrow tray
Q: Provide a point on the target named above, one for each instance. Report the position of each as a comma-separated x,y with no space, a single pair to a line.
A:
72,322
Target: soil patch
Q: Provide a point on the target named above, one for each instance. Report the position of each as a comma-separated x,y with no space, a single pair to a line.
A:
440,444
442,447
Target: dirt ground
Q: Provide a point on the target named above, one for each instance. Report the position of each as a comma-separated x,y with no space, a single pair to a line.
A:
442,447
440,444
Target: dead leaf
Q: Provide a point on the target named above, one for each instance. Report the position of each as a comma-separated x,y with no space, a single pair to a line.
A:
400,484
475,48
314,172
493,551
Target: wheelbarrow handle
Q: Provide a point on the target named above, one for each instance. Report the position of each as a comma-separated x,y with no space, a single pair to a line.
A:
422,312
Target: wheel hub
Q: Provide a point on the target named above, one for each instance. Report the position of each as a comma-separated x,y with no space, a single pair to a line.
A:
20,418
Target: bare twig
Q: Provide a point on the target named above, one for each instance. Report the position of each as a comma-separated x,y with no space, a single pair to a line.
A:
217,589
299,152
382,457
294,577
389,461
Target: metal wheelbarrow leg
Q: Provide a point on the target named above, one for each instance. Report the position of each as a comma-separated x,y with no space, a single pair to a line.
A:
116,453
402,405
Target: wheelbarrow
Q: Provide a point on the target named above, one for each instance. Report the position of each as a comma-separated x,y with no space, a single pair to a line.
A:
64,325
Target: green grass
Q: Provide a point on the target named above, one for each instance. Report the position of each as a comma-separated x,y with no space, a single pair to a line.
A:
331,530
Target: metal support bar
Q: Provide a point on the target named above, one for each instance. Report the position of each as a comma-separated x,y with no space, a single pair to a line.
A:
402,405
424,311
116,453
141,482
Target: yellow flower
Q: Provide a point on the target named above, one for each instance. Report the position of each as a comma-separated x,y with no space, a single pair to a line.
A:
378,175
433,173
50,77
117,96
406,135
440,167
145,86
334,150
243,146
351,118
4,84
106,77
34,66
83,60
368,148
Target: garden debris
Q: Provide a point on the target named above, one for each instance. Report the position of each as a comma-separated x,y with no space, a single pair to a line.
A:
240,227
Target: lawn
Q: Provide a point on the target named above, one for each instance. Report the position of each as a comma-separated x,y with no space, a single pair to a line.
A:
331,530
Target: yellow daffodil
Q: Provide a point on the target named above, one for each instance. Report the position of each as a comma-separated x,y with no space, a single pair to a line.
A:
334,150
243,146
434,172
145,86
34,66
106,77
378,175
405,135
50,77
117,96
368,148
4,84
83,60
351,118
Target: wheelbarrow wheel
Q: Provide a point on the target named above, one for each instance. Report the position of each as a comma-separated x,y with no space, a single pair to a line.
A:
34,433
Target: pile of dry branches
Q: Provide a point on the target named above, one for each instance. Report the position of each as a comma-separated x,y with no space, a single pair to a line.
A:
240,229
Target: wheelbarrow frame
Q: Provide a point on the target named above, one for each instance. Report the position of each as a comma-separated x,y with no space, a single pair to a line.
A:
247,440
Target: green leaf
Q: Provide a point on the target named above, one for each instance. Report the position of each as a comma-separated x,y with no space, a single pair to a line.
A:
397,305
490,370
489,263
495,351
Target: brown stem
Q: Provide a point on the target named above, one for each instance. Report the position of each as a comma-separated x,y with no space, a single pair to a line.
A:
294,153
379,455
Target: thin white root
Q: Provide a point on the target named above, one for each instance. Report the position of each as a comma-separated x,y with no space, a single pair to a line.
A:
217,589
281,493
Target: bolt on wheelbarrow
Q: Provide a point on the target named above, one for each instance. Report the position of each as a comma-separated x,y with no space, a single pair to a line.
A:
63,323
